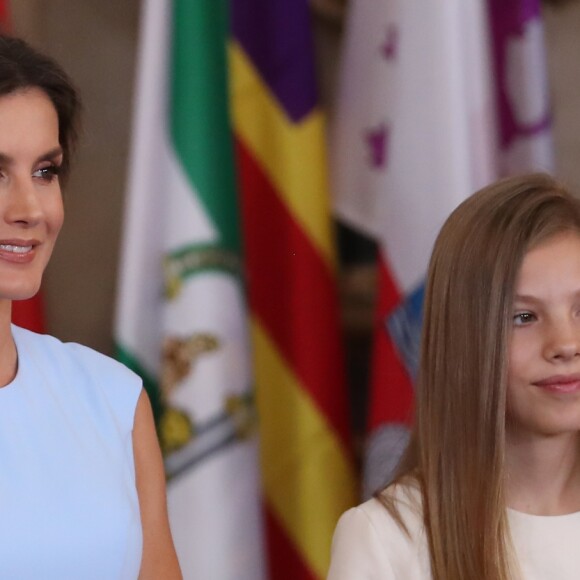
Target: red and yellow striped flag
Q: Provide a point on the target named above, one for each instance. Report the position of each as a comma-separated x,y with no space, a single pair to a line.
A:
4,19
307,469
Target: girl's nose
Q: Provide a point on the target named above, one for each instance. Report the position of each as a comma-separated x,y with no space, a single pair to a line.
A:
564,341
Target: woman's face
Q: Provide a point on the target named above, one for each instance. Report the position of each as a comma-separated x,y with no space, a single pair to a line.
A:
31,209
543,395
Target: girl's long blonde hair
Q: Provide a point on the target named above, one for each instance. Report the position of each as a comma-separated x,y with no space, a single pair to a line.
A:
456,453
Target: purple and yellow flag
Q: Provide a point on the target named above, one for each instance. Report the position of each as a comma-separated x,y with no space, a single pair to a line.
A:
307,469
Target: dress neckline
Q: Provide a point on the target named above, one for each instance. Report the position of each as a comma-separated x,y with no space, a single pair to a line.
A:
542,518
14,382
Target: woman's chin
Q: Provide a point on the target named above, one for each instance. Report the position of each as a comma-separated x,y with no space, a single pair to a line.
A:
18,294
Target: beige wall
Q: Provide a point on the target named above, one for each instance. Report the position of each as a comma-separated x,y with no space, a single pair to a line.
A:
95,40
563,39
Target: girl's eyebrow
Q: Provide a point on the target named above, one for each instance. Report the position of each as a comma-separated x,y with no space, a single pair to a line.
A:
527,299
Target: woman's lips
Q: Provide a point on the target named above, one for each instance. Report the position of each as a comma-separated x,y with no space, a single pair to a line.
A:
560,383
18,251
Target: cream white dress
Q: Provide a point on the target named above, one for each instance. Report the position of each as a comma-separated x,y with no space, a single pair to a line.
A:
369,545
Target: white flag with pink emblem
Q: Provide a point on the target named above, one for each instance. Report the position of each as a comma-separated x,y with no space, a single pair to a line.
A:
521,85
414,122
416,131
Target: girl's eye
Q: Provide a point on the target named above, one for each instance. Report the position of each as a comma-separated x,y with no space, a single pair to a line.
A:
47,173
523,318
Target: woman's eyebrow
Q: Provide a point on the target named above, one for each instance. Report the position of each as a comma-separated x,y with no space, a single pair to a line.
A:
5,159
49,155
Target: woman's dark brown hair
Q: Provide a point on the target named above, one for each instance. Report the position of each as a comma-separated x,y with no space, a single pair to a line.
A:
21,68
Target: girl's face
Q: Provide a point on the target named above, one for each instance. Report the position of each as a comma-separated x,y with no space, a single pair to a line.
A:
31,209
543,395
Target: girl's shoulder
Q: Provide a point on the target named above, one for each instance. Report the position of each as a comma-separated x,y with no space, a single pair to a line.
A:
394,512
385,535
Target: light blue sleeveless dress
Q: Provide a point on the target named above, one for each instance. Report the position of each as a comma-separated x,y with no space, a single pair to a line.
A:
68,503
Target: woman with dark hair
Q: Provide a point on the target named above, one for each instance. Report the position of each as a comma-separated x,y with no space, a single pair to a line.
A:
489,487
82,489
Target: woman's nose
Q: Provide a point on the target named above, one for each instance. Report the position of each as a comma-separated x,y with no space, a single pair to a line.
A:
22,205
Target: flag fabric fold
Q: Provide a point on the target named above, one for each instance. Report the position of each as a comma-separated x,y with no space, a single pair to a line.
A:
307,469
181,320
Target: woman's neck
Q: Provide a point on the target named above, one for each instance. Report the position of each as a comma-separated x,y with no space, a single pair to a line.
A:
543,473
8,354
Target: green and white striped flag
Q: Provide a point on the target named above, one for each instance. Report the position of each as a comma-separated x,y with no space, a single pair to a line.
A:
181,320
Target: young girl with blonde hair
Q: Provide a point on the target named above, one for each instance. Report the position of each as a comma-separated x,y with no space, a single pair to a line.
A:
489,487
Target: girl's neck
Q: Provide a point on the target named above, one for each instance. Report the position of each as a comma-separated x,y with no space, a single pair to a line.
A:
543,473
8,354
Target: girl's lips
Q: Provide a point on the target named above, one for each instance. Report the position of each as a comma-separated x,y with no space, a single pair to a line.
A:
560,383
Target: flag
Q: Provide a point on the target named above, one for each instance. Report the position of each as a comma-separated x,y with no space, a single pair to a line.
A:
521,86
4,16
181,320
413,136
29,313
307,468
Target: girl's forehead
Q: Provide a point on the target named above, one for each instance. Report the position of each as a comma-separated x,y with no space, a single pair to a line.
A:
552,267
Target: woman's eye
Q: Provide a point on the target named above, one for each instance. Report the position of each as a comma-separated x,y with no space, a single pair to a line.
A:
523,318
47,173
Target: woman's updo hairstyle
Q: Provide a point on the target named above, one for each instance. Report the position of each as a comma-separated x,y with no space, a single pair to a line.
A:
21,68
